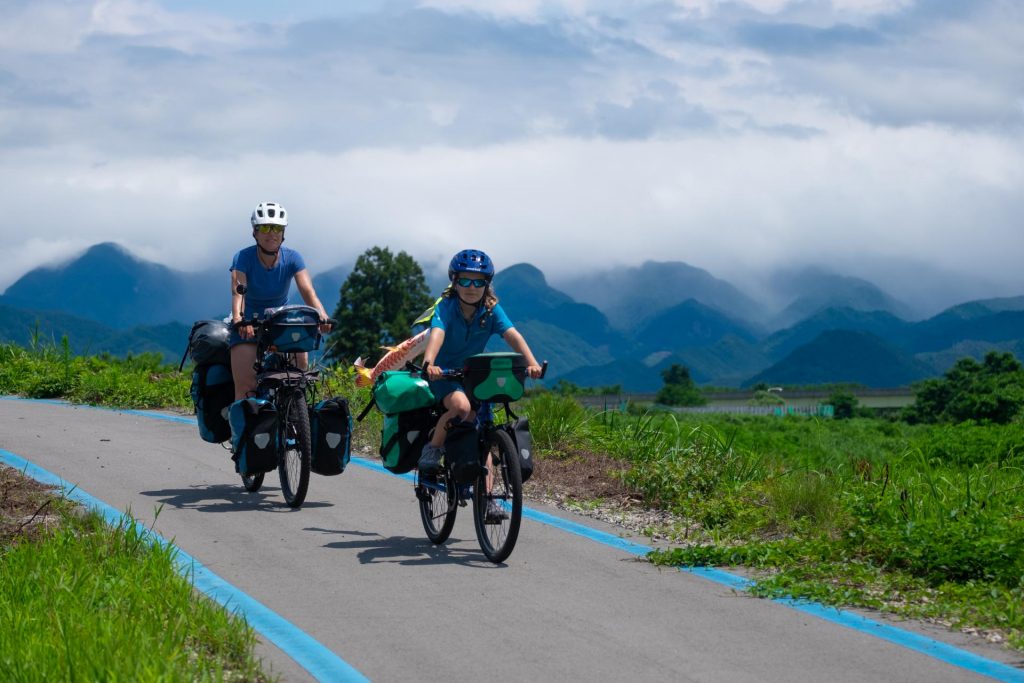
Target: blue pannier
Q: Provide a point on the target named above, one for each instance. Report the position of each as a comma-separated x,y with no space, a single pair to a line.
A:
213,390
253,435
291,329
330,426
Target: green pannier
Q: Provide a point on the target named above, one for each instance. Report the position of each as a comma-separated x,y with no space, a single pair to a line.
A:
397,391
403,437
495,377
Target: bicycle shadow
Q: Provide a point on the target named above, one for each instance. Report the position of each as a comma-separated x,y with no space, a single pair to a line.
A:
227,498
405,550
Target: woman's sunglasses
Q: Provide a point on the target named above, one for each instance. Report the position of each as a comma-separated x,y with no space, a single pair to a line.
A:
264,229
470,282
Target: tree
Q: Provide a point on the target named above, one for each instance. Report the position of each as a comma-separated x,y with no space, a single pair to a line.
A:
844,403
679,389
380,299
990,391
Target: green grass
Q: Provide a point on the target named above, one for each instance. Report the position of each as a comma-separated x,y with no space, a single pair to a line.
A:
89,602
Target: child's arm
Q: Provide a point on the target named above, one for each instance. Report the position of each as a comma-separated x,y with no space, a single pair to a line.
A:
519,345
434,341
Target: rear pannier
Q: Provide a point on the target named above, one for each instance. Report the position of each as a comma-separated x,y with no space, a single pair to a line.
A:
208,342
253,435
495,377
520,433
399,390
293,328
213,390
403,437
330,426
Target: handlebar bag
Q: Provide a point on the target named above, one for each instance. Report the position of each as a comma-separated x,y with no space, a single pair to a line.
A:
402,439
208,342
292,329
520,433
398,391
330,425
213,390
253,435
462,452
495,377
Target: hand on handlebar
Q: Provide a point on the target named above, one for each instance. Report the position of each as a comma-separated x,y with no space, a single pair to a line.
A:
433,372
534,371
245,331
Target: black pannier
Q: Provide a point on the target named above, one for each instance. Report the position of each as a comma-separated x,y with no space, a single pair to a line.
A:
253,435
403,437
462,452
520,433
208,342
330,426
213,390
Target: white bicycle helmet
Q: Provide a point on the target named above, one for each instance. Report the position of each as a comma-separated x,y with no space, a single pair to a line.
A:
269,213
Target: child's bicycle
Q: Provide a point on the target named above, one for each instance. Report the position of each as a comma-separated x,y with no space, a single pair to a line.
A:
281,382
496,490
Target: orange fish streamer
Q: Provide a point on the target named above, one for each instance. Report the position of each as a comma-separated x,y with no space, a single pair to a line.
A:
394,359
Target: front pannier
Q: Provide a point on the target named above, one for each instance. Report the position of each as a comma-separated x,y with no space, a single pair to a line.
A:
399,390
213,390
520,433
330,425
402,439
291,329
495,377
462,452
253,435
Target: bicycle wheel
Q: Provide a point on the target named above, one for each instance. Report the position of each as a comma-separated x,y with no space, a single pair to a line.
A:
497,535
293,464
438,506
252,482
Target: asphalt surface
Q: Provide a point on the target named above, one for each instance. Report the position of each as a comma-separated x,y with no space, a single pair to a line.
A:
353,569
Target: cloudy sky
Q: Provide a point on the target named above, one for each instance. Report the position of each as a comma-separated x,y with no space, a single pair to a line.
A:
871,136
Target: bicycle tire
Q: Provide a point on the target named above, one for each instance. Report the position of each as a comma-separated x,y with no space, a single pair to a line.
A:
498,539
252,482
295,452
438,506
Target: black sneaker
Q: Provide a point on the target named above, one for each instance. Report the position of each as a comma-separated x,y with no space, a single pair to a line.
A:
495,513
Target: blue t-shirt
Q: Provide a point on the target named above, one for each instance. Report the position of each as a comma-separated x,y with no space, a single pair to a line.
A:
463,339
267,287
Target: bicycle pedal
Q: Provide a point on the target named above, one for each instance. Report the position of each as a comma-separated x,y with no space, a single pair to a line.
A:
422,493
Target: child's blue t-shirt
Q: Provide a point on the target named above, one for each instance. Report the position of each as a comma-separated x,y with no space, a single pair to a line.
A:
267,287
463,338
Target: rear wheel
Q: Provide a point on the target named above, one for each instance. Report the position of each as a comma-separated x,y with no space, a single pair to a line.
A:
497,533
293,465
437,507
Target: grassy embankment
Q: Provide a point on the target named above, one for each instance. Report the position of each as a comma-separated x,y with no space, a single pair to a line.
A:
924,521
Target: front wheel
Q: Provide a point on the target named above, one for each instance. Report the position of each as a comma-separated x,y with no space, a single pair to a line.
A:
498,498
252,482
438,505
294,454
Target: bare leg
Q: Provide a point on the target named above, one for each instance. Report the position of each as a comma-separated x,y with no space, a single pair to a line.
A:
458,408
243,358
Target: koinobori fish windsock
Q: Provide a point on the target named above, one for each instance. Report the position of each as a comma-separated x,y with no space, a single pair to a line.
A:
395,358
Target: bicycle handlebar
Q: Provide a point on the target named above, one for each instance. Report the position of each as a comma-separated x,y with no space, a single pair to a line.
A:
448,373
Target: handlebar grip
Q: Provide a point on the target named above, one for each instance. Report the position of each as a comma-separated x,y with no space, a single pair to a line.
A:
329,321
543,369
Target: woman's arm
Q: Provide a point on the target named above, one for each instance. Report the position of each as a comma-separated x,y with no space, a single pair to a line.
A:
305,285
519,345
238,302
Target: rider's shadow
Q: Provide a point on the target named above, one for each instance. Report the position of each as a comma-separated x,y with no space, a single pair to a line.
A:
225,498
374,548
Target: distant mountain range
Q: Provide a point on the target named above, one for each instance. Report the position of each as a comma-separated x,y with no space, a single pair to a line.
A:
619,326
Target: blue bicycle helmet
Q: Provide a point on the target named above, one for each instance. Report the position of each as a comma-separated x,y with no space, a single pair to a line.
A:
471,261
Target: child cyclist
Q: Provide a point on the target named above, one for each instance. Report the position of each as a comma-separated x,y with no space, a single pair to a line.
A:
465,318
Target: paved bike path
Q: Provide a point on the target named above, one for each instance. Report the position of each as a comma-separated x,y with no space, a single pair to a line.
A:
353,570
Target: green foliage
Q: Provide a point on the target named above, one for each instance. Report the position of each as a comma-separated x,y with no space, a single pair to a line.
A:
679,388
844,403
379,302
990,391
87,591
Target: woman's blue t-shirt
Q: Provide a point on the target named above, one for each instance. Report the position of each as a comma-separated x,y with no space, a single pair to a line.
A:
463,338
267,287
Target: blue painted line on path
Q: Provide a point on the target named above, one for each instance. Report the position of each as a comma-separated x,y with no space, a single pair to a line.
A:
311,655
907,639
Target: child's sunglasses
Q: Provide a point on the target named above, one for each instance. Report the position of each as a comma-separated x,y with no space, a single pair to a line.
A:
264,229
471,282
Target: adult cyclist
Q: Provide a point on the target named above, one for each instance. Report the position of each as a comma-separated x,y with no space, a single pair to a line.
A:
266,270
